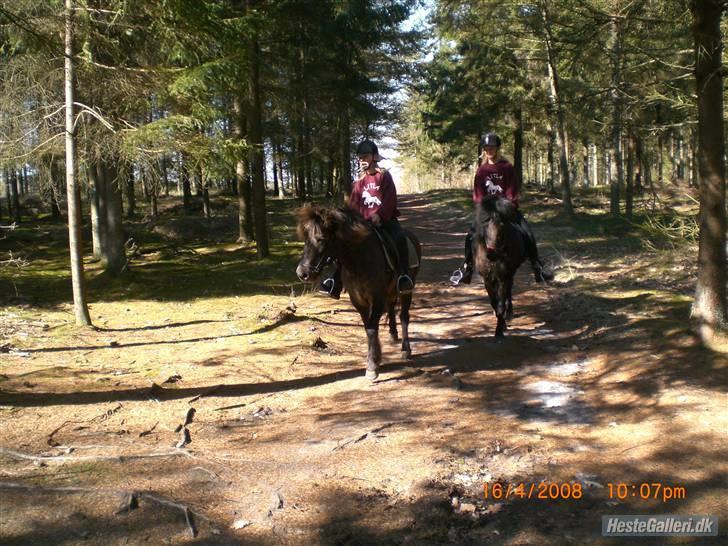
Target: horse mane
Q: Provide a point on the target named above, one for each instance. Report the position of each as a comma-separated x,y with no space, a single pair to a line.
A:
492,205
345,223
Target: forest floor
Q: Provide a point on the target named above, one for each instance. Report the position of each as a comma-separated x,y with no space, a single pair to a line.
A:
599,382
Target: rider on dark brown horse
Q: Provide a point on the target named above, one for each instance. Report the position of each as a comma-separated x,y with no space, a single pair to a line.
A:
497,176
374,196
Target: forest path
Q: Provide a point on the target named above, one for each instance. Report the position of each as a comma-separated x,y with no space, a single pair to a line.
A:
293,445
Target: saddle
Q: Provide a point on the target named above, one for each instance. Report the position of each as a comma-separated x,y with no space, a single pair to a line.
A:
391,256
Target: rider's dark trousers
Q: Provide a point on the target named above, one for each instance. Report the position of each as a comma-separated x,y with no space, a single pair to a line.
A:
395,231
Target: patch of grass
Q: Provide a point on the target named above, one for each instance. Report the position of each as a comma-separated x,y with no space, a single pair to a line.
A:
208,264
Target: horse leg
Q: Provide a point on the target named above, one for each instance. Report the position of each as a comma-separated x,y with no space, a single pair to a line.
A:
500,310
492,296
404,320
392,319
509,299
374,354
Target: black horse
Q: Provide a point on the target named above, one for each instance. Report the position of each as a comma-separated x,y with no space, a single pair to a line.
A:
499,249
342,234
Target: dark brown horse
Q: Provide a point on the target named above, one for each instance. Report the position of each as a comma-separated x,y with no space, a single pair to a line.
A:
499,250
342,234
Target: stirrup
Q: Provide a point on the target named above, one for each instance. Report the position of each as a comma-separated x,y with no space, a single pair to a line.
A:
461,277
328,287
456,277
406,278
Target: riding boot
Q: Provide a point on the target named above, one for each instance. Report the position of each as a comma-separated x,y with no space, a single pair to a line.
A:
464,274
405,284
540,272
332,285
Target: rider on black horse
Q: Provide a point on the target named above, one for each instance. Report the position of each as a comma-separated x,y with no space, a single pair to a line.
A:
497,176
374,196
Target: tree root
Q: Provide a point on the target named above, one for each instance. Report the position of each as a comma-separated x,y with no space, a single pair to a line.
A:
131,499
119,458
361,437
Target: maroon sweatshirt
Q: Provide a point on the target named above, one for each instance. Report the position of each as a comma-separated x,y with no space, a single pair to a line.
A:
499,178
375,194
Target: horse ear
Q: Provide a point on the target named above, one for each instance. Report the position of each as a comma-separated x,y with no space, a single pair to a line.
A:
304,214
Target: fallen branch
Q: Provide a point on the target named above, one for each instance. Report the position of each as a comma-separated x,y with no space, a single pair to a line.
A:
119,458
246,403
108,413
358,439
131,499
148,432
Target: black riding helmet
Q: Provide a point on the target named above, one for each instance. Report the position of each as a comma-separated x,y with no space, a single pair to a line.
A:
490,139
367,147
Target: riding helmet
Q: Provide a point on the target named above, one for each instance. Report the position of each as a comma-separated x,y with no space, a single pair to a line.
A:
367,147
490,139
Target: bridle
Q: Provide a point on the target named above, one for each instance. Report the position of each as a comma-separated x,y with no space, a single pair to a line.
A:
323,262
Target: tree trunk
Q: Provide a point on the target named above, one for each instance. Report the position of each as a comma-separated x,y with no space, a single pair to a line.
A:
345,142
555,96
113,251
615,147
98,211
692,161
330,176
518,146
245,212
55,184
279,155
205,194
709,307
75,241
15,195
21,180
639,161
130,196
8,193
275,171
257,162
680,158
165,175
550,167
631,174
672,157
186,189
153,191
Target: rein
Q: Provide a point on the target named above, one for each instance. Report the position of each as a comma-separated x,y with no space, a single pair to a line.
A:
323,262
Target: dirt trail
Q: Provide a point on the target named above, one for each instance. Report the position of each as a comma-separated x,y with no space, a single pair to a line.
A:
292,443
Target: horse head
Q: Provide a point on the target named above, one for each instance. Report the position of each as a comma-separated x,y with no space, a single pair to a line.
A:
325,233
493,214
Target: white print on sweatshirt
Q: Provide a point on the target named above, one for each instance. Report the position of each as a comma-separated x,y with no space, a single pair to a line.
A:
493,188
370,200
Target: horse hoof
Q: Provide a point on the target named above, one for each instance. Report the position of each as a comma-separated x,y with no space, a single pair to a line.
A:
406,355
499,338
371,375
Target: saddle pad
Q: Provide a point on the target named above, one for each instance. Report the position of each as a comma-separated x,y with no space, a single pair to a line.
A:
412,254
389,250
